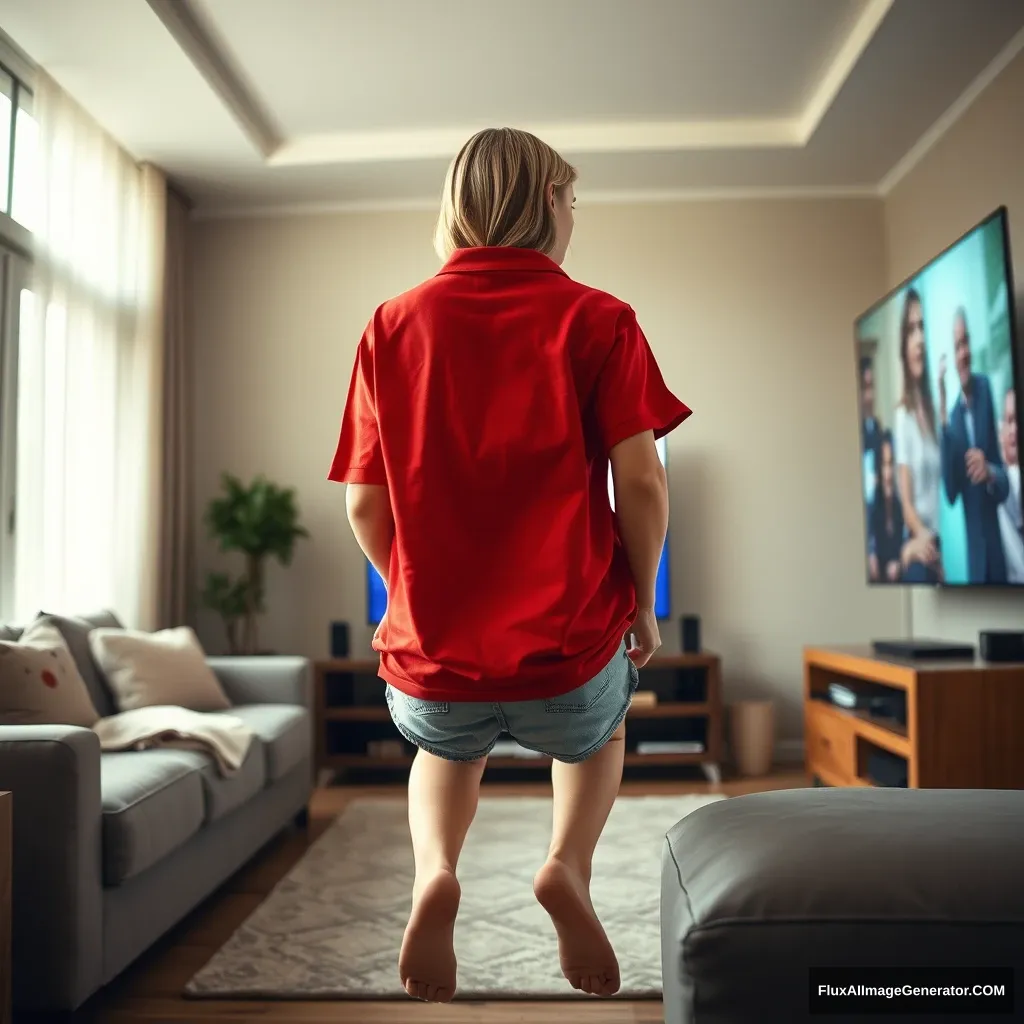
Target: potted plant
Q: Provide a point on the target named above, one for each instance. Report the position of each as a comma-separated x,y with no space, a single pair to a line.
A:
259,521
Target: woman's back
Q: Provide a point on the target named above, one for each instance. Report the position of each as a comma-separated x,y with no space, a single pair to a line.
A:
492,395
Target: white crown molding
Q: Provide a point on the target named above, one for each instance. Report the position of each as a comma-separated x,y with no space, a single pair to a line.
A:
209,57
625,197
16,60
630,197
440,144
864,29
321,209
605,137
953,114
569,139
199,43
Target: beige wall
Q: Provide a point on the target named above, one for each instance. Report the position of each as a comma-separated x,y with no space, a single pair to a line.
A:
977,166
749,308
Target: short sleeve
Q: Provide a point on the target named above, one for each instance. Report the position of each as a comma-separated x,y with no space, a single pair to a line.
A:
358,458
631,395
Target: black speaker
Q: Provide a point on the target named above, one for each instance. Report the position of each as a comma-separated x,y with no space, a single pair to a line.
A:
339,639
1001,644
691,633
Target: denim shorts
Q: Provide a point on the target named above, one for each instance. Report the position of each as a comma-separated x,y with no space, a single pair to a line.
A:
568,728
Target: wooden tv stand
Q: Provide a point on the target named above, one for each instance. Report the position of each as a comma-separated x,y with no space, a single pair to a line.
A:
962,726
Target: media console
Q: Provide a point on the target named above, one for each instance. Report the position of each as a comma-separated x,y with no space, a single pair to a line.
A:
950,724
675,720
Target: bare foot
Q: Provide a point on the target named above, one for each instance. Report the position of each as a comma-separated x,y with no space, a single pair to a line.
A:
426,963
588,960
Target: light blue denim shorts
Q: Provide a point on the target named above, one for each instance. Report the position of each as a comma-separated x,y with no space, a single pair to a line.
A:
569,728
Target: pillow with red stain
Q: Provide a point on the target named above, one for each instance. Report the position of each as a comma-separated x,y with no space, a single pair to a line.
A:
40,683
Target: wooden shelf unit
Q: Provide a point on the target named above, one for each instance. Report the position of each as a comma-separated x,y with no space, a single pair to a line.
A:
962,727
350,711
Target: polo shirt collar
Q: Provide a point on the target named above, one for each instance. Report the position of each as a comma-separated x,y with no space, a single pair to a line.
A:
499,257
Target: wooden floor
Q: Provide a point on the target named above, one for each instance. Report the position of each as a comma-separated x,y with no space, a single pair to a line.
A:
150,990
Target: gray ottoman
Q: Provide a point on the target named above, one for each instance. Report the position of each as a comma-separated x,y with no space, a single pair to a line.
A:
757,890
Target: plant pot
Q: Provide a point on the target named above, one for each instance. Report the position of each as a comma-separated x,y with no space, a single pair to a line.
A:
752,736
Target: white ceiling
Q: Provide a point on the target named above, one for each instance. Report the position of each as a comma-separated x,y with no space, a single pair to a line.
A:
250,104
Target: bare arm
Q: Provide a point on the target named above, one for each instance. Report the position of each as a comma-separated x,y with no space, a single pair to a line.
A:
372,522
641,504
910,516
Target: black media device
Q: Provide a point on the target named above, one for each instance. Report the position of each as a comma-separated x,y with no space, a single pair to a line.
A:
1001,644
339,639
877,701
691,634
922,650
885,769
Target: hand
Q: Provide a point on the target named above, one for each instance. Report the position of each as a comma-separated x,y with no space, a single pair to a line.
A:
892,571
929,552
921,549
646,637
978,471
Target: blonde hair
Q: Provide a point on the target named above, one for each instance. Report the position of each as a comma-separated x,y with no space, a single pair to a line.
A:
495,193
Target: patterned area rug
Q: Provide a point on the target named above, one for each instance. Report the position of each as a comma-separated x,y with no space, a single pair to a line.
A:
332,928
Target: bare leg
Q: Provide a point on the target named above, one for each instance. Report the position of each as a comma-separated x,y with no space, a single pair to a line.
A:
584,794
443,797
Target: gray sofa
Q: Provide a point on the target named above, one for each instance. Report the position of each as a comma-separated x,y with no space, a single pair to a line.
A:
112,849
768,896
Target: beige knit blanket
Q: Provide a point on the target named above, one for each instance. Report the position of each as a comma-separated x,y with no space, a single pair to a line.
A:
224,738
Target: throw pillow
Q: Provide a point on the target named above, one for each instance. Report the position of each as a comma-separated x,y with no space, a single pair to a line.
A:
75,630
166,667
40,683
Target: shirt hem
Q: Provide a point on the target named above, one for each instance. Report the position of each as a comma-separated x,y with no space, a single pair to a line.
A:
659,424
533,685
357,475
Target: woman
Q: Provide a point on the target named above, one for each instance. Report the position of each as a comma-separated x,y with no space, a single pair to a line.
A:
483,412
916,448
887,517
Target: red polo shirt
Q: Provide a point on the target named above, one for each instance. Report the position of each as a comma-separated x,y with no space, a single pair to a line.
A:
486,400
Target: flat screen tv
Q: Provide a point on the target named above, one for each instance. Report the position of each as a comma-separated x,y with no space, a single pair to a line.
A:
937,376
377,595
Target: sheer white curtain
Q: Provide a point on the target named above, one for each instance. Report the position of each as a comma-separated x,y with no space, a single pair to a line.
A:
90,358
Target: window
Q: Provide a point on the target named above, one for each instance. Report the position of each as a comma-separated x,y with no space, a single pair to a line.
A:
22,167
15,303
18,141
8,91
18,203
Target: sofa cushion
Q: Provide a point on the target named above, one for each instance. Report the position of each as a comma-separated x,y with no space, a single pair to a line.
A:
75,630
222,794
152,803
283,729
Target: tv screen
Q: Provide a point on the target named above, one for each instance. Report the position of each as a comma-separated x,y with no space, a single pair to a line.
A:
937,371
377,595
